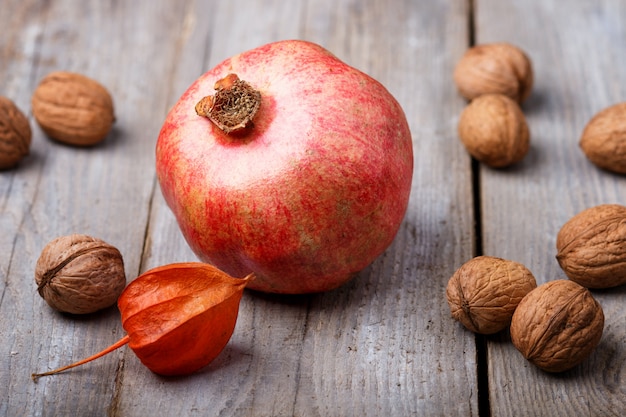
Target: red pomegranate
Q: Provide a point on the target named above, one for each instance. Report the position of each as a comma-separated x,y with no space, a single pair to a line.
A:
286,162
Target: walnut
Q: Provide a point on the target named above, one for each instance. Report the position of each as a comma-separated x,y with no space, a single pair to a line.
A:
80,274
591,247
557,325
499,68
604,139
73,109
484,292
494,130
15,134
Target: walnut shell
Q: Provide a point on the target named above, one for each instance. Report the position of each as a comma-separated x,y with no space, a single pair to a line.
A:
73,108
80,274
494,130
484,292
591,246
494,68
604,139
15,134
557,325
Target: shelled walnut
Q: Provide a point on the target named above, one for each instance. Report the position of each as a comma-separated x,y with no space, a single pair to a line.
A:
494,130
591,246
494,68
80,274
15,134
603,140
73,108
484,292
557,325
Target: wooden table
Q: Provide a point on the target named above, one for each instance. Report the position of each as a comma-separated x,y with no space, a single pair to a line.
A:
383,344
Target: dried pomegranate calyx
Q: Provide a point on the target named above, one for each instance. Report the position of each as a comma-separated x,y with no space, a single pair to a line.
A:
233,106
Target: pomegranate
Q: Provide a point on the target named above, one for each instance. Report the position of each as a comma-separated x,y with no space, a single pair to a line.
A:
298,168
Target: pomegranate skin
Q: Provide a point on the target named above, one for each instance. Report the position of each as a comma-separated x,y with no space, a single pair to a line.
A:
311,194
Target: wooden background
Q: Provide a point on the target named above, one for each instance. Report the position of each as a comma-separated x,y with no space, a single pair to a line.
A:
382,345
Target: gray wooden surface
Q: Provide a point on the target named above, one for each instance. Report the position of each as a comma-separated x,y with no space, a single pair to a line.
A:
383,344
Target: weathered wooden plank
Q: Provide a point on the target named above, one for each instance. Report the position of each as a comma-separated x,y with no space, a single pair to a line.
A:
255,373
397,349
103,191
381,344
580,68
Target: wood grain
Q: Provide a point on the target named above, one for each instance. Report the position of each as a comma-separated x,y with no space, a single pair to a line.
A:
579,70
382,345
322,355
